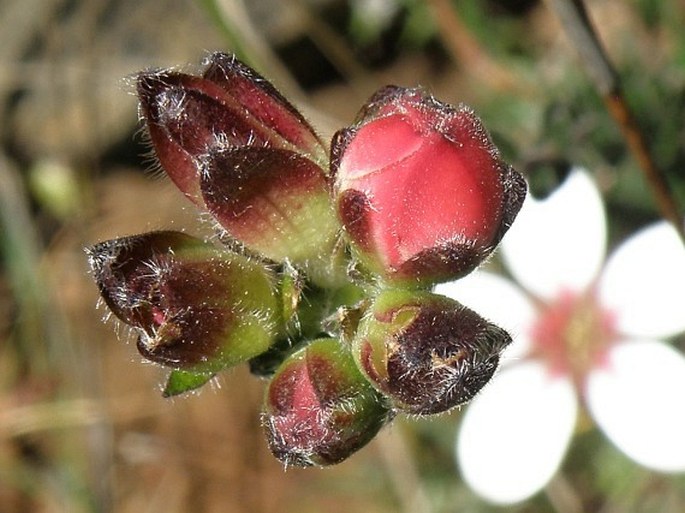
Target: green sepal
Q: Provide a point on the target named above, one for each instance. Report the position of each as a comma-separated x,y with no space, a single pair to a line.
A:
179,382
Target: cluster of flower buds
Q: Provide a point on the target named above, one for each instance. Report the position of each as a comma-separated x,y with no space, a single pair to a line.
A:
324,284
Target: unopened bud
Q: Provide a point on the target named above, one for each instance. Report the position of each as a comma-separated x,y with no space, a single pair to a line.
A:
426,353
319,409
194,307
421,190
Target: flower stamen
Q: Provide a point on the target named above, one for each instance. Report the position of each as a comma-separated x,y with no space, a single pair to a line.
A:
573,333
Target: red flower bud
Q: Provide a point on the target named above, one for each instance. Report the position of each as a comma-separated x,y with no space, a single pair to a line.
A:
426,353
231,106
319,409
194,307
421,190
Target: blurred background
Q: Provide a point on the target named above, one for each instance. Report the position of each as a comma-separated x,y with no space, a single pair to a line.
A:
83,426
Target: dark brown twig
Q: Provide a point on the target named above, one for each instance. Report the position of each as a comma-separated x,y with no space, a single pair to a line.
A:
575,21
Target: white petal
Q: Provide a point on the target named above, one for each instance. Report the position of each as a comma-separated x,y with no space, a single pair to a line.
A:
498,300
558,243
643,283
637,399
515,433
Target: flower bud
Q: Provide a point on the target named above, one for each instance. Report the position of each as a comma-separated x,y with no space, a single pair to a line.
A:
319,409
420,188
231,106
261,99
274,201
426,353
195,307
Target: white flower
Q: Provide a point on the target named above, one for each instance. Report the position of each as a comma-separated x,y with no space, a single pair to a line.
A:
586,335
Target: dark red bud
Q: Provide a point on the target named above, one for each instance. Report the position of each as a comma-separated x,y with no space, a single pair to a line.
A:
319,409
186,117
231,106
425,352
265,103
274,201
194,307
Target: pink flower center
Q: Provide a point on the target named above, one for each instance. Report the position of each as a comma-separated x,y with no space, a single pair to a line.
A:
573,333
